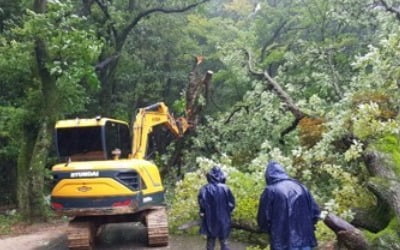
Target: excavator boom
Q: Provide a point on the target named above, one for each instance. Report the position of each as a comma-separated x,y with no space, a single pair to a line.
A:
149,117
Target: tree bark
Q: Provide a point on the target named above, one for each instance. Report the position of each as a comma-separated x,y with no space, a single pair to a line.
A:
347,234
373,219
175,159
388,191
196,89
106,77
37,170
23,180
384,182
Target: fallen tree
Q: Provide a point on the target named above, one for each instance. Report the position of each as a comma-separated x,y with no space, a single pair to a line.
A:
381,156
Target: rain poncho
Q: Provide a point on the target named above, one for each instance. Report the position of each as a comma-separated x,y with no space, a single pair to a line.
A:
216,204
287,211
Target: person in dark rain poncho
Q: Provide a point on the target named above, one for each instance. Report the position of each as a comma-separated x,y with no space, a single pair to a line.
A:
287,211
216,205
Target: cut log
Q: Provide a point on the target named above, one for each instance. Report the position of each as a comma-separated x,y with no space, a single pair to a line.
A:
348,235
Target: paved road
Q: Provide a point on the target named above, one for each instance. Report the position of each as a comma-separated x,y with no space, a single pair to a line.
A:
127,236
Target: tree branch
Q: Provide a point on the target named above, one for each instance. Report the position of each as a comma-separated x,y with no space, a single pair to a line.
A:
206,82
104,9
235,111
391,9
124,33
336,76
101,65
289,129
87,4
285,98
270,41
373,161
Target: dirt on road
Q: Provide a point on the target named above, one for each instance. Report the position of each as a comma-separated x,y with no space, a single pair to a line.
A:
35,236
122,236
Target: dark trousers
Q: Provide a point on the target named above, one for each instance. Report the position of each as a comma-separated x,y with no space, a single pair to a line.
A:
211,243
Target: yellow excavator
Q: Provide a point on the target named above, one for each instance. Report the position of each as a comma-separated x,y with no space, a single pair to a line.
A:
105,177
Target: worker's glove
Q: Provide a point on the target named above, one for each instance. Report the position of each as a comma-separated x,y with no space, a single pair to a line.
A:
323,214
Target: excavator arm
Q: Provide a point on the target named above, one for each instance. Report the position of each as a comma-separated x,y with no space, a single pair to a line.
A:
149,117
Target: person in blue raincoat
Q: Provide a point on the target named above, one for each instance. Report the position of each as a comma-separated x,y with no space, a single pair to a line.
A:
287,211
216,204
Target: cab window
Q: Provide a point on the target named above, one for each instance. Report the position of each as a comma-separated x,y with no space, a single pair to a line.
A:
117,136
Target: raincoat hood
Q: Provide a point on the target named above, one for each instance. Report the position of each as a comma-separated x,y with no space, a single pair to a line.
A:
215,176
275,173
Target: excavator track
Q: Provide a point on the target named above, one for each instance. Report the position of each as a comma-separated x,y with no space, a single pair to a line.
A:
157,227
80,235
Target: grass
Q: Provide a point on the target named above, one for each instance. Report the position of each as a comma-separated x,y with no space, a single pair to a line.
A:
7,221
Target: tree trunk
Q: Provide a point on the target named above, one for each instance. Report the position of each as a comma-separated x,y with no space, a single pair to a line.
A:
175,161
36,142
373,219
25,151
197,92
196,89
348,235
37,170
106,77
384,182
32,159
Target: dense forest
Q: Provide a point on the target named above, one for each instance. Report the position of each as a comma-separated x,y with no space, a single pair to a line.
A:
312,84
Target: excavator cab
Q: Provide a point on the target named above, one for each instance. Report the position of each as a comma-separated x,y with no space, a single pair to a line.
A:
92,139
